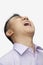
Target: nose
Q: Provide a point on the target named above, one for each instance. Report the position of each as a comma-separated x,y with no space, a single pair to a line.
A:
25,18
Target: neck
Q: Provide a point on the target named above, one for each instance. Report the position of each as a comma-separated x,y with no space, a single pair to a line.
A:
25,40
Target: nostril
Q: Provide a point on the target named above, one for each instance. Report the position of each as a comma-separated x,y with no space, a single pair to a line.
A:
25,18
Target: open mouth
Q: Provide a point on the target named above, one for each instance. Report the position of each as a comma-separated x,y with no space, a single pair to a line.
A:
27,24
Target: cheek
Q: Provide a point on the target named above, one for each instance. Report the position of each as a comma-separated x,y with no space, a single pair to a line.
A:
33,25
17,27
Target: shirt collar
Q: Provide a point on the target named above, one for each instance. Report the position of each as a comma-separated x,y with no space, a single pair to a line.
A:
38,48
20,48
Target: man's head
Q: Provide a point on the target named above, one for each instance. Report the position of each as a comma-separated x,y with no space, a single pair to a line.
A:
18,25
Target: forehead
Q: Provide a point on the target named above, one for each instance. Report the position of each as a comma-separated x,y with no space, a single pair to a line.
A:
14,18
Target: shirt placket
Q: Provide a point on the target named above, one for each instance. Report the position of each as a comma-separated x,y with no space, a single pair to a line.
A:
33,57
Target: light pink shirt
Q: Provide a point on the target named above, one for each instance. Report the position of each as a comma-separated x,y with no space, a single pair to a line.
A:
23,55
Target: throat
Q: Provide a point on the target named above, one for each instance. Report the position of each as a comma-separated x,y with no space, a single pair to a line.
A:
27,41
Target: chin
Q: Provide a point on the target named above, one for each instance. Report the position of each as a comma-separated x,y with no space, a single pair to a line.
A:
30,31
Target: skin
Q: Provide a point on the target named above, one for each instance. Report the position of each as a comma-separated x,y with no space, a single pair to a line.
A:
20,33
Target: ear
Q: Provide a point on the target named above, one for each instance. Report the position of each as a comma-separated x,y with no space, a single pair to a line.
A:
9,33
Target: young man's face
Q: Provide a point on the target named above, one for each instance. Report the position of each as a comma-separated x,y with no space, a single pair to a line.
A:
22,25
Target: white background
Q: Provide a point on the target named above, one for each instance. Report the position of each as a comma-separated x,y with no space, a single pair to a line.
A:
31,8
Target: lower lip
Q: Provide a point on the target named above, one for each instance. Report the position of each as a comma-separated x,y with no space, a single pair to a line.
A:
28,26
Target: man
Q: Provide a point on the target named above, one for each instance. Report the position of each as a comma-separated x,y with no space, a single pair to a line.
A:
20,31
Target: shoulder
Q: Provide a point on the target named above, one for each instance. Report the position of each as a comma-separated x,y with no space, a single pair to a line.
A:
40,50
8,58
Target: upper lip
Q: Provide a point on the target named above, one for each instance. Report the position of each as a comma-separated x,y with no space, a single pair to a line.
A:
27,23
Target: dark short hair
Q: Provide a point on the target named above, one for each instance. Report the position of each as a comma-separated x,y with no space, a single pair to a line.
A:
5,27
